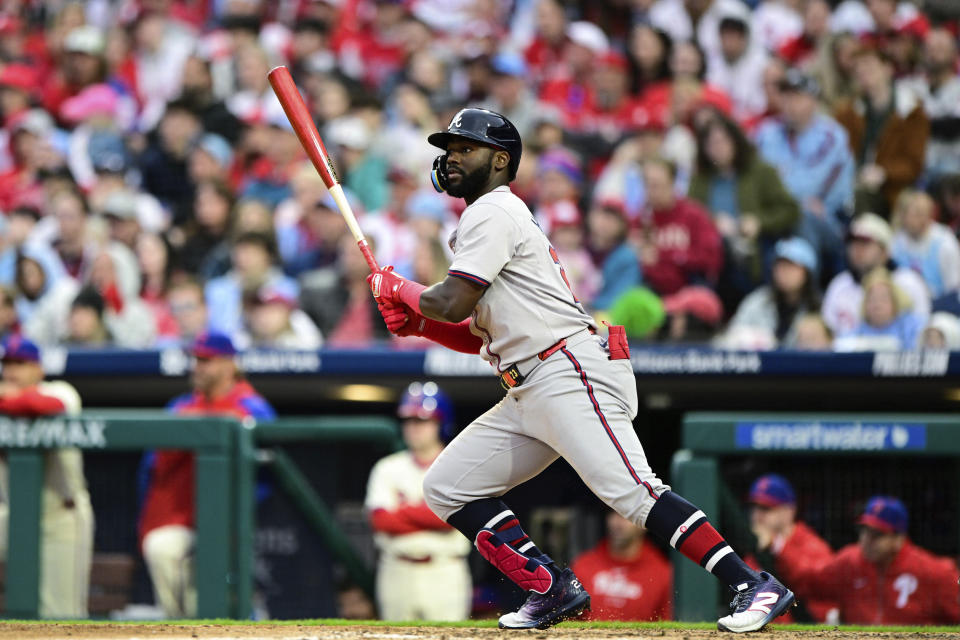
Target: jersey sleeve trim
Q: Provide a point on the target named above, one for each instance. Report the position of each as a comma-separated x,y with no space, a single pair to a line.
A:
468,276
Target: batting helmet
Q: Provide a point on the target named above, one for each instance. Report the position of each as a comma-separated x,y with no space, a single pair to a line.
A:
483,126
426,401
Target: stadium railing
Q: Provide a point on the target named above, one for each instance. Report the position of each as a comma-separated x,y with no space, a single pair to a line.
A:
227,454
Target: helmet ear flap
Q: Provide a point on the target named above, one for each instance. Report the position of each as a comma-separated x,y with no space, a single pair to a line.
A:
438,176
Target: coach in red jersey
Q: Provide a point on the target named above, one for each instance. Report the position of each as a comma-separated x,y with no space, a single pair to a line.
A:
773,519
628,577
883,578
169,511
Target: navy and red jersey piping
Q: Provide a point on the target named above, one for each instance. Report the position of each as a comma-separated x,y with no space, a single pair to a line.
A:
468,276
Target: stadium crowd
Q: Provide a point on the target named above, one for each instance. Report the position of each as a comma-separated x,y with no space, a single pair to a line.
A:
761,174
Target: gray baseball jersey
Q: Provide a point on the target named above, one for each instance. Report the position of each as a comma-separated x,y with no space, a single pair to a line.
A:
528,305
576,403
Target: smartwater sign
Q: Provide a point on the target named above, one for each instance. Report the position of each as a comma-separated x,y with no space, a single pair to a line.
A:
831,436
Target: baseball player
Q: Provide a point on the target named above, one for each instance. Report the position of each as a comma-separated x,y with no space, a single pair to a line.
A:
422,572
883,578
570,392
168,516
66,524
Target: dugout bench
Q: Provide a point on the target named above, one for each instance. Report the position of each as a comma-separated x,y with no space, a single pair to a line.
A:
708,436
226,458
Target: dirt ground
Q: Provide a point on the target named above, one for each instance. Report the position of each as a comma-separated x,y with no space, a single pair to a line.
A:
55,631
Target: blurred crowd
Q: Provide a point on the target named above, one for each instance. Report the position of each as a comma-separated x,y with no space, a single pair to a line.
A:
753,174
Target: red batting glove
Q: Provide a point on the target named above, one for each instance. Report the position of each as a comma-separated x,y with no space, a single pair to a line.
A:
387,286
400,320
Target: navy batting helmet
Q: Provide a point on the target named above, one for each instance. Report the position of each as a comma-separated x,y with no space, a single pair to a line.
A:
484,126
425,400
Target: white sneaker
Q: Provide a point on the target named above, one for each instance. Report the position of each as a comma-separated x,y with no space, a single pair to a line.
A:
757,604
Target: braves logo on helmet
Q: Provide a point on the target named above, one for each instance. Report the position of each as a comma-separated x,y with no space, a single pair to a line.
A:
480,125
425,400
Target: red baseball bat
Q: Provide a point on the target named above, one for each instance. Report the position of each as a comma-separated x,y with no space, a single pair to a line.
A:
306,130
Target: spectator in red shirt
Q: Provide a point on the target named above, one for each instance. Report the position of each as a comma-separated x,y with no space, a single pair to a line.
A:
679,243
884,578
82,64
166,525
773,519
545,53
628,578
572,92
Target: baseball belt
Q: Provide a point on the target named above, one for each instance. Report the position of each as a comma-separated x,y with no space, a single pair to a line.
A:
518,371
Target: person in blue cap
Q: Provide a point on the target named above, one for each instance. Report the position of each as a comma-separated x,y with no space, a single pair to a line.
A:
773,520
884,578
168,517
66,521
792,293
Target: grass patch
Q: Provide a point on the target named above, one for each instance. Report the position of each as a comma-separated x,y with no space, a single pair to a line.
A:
336,622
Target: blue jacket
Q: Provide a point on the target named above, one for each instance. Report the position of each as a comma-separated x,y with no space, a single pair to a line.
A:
224,297
817,163
621,271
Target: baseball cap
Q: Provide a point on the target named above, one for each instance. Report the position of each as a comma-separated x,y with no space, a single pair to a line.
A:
121,204
772,490
19,76
562,160
884,513
350,132
213,344
21,349
588,35
798,251
797,80
278,293
427,204
700,302
613,60
84,39
218,148
508,63
562,213
98,99
36,121
870,226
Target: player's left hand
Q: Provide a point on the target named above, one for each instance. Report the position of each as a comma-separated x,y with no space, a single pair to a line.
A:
401,320
386,284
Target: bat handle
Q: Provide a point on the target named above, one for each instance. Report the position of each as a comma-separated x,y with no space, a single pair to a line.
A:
368,255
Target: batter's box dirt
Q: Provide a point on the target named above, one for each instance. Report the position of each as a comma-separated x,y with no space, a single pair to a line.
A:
267,631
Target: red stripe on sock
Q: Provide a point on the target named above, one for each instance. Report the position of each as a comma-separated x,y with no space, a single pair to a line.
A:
699,542
510,523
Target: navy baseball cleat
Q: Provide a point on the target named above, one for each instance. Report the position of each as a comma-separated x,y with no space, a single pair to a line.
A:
566,599
757,604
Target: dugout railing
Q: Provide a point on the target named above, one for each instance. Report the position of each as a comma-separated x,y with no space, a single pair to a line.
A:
227,453
709,437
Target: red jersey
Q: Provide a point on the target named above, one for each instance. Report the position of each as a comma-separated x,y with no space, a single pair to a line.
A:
688,246
640,588
170,498
918,588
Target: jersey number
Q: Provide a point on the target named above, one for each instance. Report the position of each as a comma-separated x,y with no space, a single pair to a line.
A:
563,274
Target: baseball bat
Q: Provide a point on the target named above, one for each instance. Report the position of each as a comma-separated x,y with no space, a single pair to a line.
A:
298,115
